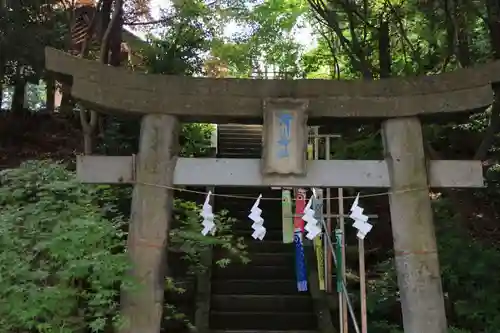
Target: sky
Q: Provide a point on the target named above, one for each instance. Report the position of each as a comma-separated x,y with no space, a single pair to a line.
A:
303,36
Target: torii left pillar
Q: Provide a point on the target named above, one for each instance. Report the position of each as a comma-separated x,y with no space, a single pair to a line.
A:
151,216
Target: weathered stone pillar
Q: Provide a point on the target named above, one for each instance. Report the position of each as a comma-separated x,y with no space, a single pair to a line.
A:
150,221
417,264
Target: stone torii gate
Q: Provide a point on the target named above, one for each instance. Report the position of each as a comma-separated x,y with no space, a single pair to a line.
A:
286,108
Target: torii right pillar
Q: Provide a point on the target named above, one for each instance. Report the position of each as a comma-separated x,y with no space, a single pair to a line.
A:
415,247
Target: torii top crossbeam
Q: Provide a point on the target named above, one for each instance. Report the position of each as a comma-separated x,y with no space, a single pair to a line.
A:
118,90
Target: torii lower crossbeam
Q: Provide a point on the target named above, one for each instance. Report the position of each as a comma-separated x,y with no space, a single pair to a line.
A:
247,172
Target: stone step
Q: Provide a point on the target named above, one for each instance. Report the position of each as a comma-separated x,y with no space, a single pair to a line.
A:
272,303
241,129
263,259
273,232
255,287
238,144
239,126
240,149
243,225
239,155
273,259
271,211
242,138
238,131
249,271
269,247
239,141
263,321
259,331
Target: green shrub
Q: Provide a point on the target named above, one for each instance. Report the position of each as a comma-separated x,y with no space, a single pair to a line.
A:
61,261
468,272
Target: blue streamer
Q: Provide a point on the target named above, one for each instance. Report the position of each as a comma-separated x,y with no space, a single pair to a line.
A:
300,262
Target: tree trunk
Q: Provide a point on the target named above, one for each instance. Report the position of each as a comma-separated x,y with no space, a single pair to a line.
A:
105,16
2,64
384,49
115,56
67,103
19,96
463,45
50,91
110,33
88,127
115,41
2,67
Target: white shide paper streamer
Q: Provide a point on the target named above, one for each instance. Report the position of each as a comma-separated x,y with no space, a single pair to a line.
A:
360,219
258,222
208,217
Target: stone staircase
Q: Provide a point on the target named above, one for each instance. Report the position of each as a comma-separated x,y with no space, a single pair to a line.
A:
260,296
239,141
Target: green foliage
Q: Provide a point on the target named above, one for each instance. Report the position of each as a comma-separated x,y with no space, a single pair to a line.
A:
35,97
193,244
38,24
472,288
472,291
265,39
195,139
317,63
187,240
61,260
424,37
122,137
179,49
361,143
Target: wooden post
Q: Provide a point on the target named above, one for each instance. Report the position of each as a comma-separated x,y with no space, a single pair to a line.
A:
415,247
343,307
329,256
362,285
150,221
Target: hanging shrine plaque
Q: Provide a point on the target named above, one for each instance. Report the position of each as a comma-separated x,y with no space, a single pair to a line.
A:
285,137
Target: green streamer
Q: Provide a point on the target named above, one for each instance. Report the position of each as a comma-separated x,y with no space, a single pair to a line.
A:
318,241
287,216
338,254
